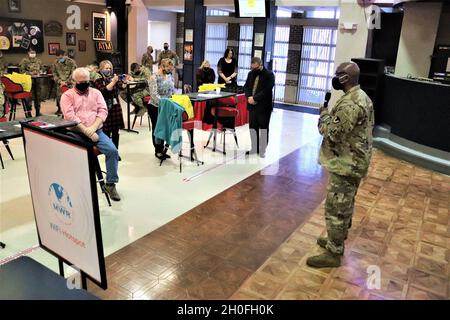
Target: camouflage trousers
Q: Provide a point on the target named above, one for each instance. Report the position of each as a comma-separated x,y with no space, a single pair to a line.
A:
137,97
41,92
41,89
339,206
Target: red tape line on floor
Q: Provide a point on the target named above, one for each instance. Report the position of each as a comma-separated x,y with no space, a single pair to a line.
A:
19,254
195,176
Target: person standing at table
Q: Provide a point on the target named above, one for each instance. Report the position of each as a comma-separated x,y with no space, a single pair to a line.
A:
205,74
86,106
109,85
147,59
161,86
227,68
33,67
258,90
63,67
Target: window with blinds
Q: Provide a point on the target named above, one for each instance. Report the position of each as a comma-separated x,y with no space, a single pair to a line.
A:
245,52
316,64
216,43
280,57
216,13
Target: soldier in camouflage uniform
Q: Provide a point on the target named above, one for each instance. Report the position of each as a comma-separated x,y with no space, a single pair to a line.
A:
93,73
140,73
62,74
168,54
2,64
2,100
147,59
33,66
345,152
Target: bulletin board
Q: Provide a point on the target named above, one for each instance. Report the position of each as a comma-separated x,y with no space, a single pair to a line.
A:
19,35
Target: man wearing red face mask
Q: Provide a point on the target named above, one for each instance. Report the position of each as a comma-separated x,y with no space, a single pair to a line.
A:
87,107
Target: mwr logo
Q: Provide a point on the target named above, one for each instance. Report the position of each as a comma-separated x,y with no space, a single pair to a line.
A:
60,203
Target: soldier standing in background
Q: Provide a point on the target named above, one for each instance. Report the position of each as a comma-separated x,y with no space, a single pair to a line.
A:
345,152
147,59
168,54
62,74
33,67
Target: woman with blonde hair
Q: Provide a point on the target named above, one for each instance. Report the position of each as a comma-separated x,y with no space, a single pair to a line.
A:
161,86
109,85
205,74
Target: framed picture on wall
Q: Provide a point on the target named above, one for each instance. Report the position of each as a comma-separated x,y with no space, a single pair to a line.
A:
82,45
98,26
20,35
71,53
71,39
52,48
14,6
188,51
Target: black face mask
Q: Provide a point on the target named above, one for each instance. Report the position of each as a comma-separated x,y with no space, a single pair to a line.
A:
82,87
206,68
136,73
337,85
166,48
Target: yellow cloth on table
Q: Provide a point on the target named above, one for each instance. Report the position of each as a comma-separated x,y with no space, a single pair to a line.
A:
210,87
185,102
23,79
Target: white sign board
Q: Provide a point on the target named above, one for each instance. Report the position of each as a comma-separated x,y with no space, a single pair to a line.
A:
259,40
252,8
62,198
189,37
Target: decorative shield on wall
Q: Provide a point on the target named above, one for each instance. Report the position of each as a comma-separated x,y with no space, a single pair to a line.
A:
53,29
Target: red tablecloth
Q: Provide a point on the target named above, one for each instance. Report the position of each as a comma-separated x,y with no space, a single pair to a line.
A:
242,117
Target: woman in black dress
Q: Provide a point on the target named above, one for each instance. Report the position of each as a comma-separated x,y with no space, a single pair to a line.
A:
109,85
227,68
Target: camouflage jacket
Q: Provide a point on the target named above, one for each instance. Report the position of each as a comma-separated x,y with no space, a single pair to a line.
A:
347,134
63,71
3,66
169,54
144,75
30,66
147,61
2,96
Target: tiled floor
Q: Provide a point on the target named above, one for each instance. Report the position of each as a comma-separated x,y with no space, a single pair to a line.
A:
151,195
248,234
401,225
208,252
252,241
